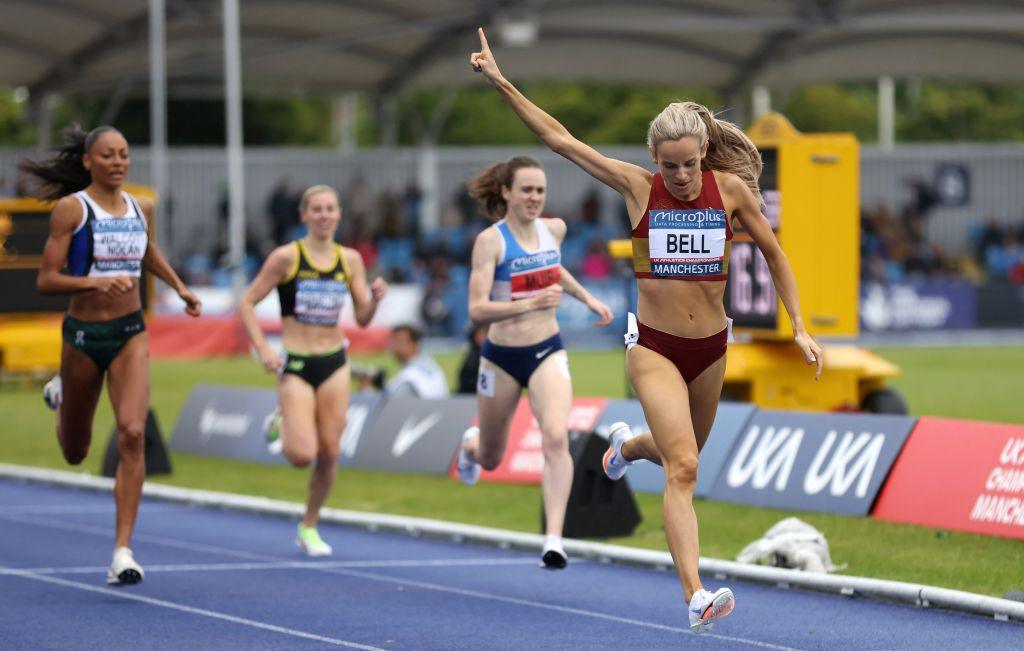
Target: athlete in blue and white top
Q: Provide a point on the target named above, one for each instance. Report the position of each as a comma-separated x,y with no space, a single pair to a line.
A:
516,283
96,251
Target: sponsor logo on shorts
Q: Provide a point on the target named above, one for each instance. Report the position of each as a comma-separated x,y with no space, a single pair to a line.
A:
80,337
544,352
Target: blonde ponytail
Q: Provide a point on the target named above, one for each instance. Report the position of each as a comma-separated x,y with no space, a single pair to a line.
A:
729,149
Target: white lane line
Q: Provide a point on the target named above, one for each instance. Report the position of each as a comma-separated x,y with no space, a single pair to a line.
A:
58,509
284,565
196,611
214,549
545,606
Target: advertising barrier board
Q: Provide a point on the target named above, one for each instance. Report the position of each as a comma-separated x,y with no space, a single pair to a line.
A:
929,305
524,457
415,435
956,474
230,422
648,477
829,462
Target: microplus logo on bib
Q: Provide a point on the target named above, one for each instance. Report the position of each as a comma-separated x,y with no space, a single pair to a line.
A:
534,261
687,242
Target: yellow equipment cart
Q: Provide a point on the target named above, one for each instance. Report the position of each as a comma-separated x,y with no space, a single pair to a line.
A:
30,339
810,184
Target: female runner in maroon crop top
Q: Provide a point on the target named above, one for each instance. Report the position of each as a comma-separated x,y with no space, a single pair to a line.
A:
681,219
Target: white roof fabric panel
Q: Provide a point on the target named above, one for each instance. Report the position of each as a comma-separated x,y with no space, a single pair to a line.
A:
384,46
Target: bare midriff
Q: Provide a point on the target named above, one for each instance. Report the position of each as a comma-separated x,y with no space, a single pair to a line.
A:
525,329
306,339
94,306
692,309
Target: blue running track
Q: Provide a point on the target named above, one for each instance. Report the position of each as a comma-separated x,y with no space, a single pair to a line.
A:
219,579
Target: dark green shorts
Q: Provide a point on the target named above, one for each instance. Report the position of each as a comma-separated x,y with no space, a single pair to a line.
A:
315,369
102,340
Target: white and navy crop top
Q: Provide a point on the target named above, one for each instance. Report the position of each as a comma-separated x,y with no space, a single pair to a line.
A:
520,274
104,245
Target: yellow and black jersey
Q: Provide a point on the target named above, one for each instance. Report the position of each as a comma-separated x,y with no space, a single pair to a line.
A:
314,295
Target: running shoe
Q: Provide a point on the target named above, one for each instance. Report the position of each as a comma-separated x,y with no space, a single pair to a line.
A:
273,427
706,608
52,393
615,466
553,556
308,539
123,569
469,470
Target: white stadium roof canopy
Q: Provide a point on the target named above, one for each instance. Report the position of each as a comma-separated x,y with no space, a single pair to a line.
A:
385,46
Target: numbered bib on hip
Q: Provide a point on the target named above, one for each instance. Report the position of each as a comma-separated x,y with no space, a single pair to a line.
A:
485,383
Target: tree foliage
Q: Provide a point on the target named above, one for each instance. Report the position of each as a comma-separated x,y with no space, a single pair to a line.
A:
600,114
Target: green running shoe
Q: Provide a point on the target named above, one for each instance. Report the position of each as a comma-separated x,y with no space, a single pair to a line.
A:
273,427
308,539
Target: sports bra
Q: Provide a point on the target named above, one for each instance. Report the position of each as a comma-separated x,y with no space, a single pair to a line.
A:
313,295
105,245
521,274
683,240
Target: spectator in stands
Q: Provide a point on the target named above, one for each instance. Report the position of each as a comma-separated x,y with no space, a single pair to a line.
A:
590,209
435,310
361,239
412,208
357,198
470,368
283,208
597,264
1003,259
420,375
991,236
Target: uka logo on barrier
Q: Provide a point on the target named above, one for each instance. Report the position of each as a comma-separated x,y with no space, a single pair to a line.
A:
776,450
830,462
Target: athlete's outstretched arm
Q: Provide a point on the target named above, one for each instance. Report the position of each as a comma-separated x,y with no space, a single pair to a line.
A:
364,301
576,289
273,272
482,309
749,213
629,180
157,264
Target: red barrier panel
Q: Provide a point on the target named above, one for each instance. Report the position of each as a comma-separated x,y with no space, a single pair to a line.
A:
184,337
956,474
524,458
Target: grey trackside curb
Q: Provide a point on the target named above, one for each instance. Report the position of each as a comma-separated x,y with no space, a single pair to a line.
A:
911,593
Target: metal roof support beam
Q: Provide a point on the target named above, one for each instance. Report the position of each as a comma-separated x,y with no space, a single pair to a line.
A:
447,40
886,112
117,99
236,174
158,118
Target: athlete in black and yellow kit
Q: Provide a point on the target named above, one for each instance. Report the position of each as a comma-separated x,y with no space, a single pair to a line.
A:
314,277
